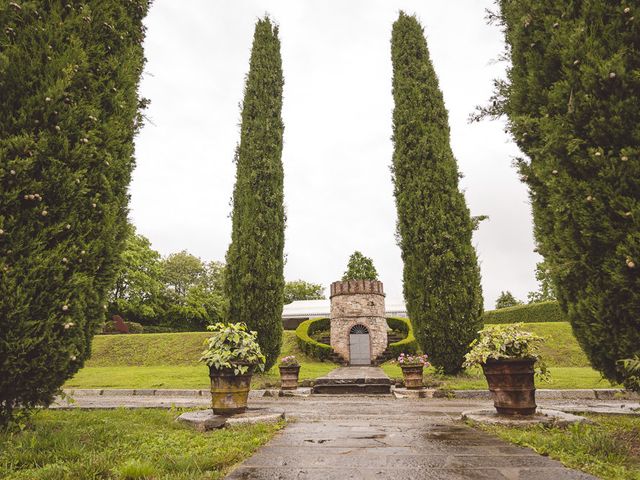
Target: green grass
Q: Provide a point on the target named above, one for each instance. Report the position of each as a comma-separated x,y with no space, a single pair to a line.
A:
123,445
166,360
608,449
170,360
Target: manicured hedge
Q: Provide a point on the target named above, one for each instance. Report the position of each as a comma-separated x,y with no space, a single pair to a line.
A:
407,344
308,345
532,313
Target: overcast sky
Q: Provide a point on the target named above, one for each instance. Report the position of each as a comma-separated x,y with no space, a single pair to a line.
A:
337,139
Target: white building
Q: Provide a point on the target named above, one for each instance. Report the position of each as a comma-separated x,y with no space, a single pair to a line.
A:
297,312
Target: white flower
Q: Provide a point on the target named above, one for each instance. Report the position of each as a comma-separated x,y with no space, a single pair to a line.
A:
72,358
555,172
624,159
1,231
627,10
597,154
45,213
612,75
65,308
68,325
67,226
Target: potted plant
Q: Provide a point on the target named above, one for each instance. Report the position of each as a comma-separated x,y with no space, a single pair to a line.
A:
289,371
412,366
508,357
232,355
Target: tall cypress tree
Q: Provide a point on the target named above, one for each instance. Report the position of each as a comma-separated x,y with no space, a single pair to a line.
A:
69,109
572,99
255,262
441,275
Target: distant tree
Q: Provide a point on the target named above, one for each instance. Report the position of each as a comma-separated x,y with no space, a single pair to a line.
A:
506,299
301,290
571,98
69,111
255,260
546,290
181,271
360,268
441,273
138,290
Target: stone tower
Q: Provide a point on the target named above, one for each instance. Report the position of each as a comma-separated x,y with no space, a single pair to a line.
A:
358,325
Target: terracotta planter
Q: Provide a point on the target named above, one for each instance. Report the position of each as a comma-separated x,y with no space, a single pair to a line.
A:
229,392
412,376
289,377
511,385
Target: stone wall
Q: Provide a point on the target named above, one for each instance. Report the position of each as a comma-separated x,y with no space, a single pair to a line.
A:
356,302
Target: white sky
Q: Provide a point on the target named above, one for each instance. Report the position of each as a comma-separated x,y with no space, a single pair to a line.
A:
337,140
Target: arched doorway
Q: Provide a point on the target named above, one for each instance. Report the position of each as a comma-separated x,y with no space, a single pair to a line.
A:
359,346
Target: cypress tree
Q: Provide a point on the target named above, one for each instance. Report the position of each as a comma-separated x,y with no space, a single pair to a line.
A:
571,98
69,110
441,275
255,262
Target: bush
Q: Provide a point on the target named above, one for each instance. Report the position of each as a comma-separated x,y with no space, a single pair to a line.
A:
407,344
308,345
134,327
160,329
532,313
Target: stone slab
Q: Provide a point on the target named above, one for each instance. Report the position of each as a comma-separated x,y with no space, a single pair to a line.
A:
298,392
541,417
413,393
205,420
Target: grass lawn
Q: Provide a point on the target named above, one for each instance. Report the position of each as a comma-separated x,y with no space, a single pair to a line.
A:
608,449
124,445
170,360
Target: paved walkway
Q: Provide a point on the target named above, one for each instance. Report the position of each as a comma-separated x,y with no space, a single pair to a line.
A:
374,437
384,438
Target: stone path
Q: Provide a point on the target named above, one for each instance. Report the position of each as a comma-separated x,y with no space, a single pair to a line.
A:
384,438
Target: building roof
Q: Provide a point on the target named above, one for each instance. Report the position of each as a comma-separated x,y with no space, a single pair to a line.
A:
322,308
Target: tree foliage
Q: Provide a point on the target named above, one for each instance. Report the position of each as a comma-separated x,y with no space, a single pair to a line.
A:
571,99
441,274
69,110
180,291
506,299
301,290
546,289
255,261
360,268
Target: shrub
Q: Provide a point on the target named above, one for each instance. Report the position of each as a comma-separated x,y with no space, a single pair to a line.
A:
231,346
571,98
441,277
408,344
532,313
69,111
134,327
308,345
255,260
498,342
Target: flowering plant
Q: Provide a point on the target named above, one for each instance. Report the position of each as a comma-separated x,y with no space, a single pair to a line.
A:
414,360
289,361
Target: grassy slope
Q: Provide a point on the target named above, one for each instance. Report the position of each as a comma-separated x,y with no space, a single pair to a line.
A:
123,444
166,360
609,448
171,361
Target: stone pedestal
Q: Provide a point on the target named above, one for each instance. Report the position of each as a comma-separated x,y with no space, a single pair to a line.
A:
358,303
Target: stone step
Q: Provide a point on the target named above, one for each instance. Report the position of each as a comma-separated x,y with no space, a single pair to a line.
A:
353,380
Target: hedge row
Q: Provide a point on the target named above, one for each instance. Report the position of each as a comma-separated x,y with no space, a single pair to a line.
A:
532,313
322,351
308,345
407,344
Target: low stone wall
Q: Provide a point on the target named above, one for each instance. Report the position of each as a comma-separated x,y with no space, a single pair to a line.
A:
358,302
